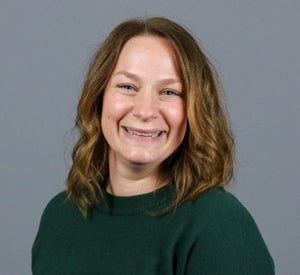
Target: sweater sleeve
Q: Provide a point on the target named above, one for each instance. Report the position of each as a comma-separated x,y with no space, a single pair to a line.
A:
230,242
48,239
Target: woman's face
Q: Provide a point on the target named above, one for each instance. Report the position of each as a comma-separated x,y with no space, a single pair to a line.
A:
144,116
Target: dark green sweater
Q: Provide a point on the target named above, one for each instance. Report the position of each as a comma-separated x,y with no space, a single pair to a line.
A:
214,234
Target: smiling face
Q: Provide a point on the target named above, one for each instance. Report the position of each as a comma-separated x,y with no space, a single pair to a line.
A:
143,115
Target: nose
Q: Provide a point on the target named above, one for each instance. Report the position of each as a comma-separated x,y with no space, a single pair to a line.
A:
146,105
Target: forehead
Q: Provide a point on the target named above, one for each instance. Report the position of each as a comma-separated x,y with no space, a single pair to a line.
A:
146,51
148,39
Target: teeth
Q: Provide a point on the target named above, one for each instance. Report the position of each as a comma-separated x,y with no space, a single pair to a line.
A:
153,135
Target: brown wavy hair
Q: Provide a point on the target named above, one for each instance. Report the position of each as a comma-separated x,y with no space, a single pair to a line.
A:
205,158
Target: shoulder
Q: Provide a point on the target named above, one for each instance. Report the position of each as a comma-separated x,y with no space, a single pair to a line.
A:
58,217
57,209
59,201
59,214
229,234
219,203
218,196
220,212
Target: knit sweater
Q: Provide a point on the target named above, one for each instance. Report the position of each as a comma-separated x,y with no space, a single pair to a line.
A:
213,234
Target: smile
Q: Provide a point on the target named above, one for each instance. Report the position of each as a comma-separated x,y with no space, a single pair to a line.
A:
143,133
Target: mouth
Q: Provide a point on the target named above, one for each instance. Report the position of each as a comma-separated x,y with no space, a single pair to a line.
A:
144,133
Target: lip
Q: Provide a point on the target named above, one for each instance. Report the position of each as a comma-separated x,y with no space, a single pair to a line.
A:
143,133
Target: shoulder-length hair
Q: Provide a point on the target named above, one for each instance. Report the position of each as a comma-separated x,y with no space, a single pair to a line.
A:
205,158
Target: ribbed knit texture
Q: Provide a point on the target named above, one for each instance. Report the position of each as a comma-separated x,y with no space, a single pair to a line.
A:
214,234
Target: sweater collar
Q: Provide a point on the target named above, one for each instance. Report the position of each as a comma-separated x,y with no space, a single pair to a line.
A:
152,201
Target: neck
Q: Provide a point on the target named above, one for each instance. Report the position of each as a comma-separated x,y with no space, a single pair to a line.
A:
128,179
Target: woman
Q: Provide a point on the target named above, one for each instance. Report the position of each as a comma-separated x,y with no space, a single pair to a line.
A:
145,193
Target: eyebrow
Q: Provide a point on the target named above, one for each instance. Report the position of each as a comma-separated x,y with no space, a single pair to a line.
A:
165,81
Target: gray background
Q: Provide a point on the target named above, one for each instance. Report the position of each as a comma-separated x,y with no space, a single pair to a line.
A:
44,51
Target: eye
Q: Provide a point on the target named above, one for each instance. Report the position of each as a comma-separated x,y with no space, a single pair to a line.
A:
170,93
126,87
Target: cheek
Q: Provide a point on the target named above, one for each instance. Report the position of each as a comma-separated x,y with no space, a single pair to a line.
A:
106,116
177,117
113,109
109,122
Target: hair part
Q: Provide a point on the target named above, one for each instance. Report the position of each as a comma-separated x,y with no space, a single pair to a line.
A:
205,158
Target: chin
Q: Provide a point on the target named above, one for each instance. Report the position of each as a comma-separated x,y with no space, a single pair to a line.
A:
142,159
